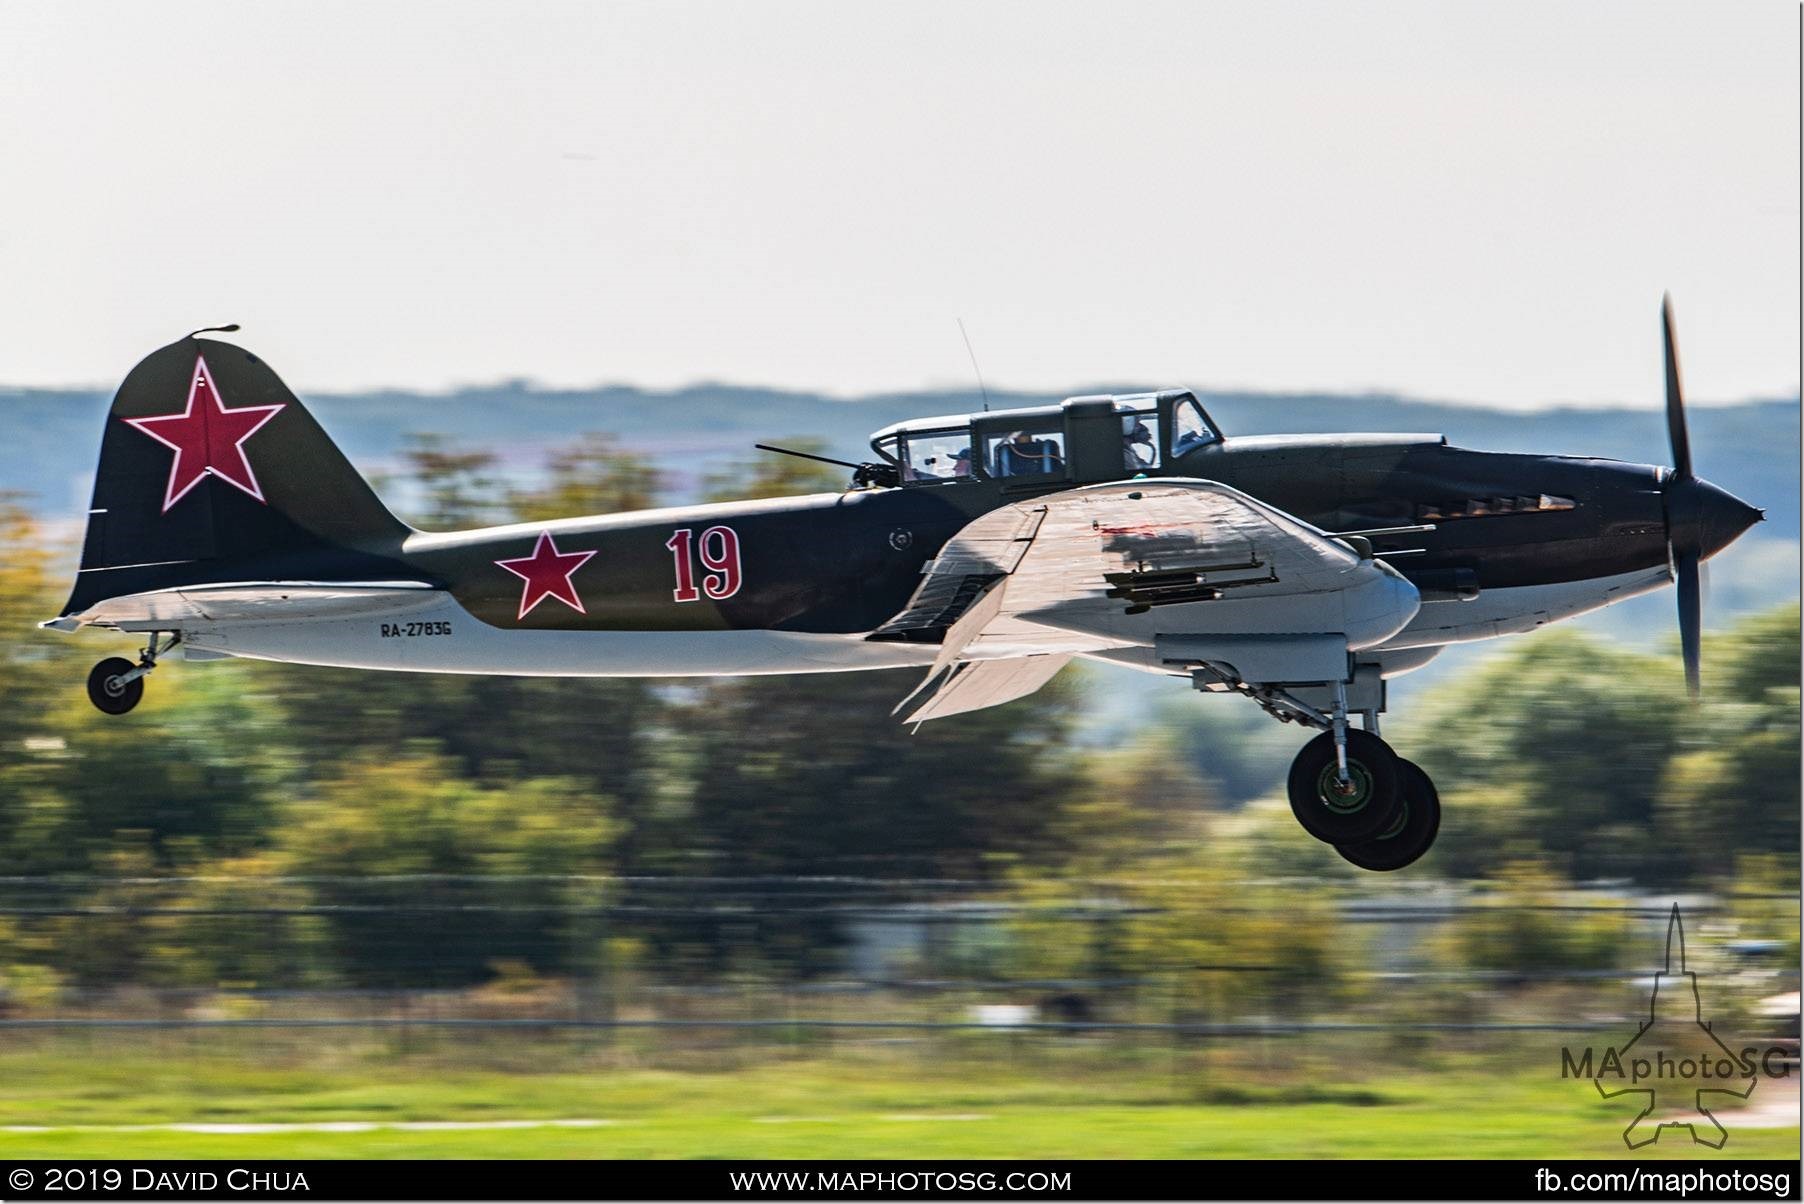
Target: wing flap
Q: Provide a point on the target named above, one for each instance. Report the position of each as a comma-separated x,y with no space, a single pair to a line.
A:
973,685
985,551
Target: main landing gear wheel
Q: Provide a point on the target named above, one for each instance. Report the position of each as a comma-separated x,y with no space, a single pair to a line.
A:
1413,832
1341,812
109,689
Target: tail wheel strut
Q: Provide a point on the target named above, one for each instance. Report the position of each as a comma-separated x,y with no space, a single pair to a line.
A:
116,685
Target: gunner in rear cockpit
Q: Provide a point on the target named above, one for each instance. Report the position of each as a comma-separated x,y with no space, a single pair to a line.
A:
1023,455
1137,450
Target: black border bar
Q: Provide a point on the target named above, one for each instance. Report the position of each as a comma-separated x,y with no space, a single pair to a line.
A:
151,1179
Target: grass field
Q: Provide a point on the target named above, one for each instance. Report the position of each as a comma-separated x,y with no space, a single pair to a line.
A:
1030,1101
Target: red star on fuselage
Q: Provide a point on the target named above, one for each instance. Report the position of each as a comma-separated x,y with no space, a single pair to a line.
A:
547,575
207,438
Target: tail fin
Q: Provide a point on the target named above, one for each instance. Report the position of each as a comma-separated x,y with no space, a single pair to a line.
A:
207,457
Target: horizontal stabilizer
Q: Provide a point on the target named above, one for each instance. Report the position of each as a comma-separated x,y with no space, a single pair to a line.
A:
253,602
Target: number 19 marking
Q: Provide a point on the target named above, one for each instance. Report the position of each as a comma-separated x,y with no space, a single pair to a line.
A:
719,552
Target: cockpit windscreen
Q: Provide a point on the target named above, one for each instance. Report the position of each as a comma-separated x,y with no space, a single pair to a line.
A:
936,455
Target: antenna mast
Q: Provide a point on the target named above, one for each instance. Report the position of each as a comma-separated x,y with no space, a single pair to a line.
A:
981,387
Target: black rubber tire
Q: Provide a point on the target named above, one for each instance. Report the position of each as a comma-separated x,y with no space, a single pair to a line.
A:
1414,831
109,696
1335,819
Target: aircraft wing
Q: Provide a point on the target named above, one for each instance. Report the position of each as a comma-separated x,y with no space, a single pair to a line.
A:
1127,564
253,601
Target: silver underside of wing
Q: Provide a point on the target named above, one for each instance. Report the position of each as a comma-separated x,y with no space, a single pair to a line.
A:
1131,564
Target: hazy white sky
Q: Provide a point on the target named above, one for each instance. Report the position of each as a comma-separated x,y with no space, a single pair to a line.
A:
1459,200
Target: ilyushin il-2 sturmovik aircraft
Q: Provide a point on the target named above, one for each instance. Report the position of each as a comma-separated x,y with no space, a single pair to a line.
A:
989,548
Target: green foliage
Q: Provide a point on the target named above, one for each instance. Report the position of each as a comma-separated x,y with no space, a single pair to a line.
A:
1764,905
29,988
772,474
488,729
244,924
1221,946
1591,756
193,775
489,870
1237,947
1225,743
1129,799
1524,734
812,774
591,475
1529,924
197,773
458,484
34,667
1758,661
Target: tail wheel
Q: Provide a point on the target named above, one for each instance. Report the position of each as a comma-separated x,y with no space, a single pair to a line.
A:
107,689
1413,832
1342,812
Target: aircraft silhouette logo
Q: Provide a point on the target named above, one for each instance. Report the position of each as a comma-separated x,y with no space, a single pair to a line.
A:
1675,1062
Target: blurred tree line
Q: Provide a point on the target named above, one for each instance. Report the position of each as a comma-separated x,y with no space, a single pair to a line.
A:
283,825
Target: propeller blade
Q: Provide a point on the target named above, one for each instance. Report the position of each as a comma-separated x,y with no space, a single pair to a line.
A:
1676,433
1691,618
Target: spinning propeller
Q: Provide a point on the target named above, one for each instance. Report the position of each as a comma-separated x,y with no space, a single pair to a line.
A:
1700,518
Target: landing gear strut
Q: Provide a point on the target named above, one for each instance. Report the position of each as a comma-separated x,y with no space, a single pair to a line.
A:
1347,788
116,685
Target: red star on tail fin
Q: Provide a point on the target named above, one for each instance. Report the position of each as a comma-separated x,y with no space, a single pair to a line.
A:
207,438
